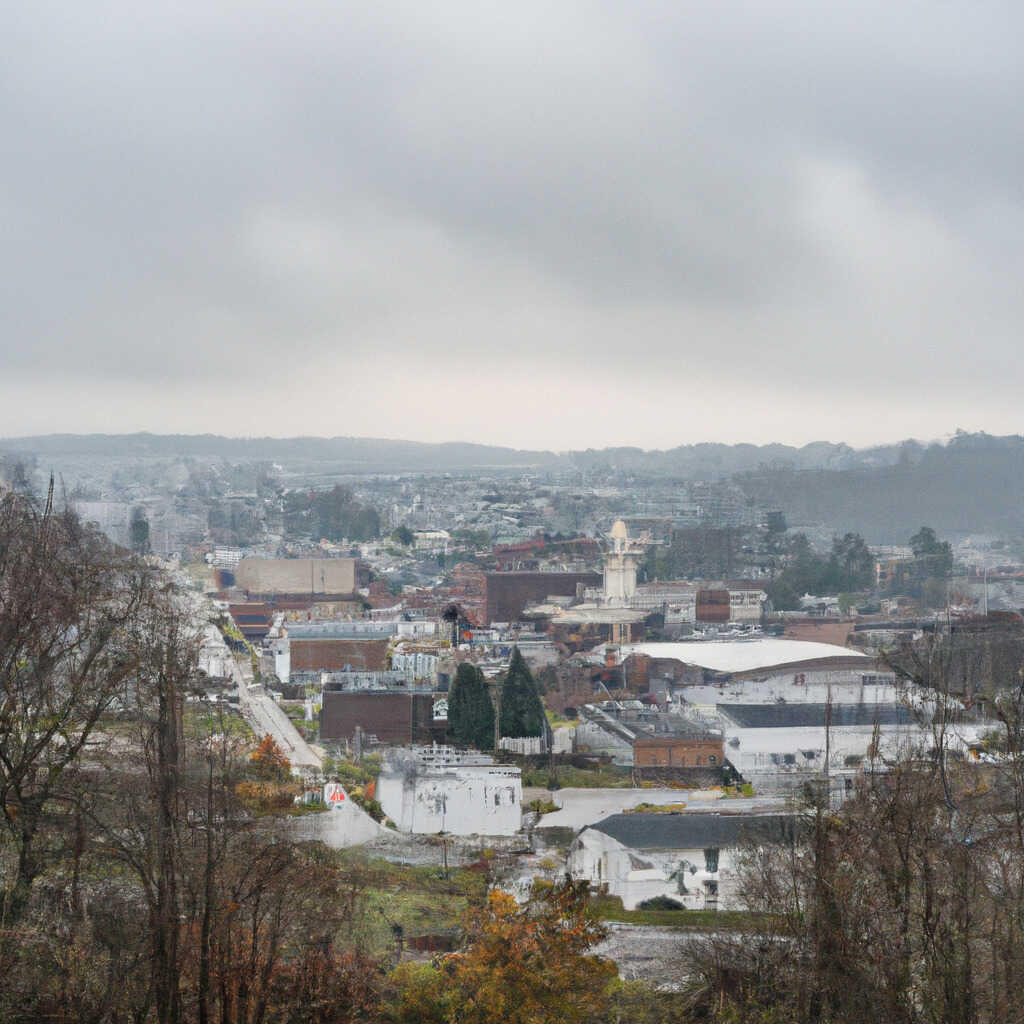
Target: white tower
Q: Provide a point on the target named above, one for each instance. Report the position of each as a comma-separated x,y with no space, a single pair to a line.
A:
620,565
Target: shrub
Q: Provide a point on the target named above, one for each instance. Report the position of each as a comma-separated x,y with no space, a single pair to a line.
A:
540,806
660,903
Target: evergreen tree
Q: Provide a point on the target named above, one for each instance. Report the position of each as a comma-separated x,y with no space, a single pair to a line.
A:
140,532
470,710
522,713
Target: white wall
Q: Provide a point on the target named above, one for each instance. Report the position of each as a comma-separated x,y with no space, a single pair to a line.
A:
757,746
281,656
462,800
635,876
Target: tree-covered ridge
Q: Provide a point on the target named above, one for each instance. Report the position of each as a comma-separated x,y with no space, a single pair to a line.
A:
973,484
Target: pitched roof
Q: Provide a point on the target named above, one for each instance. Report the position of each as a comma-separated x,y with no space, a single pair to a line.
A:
781,716
692,831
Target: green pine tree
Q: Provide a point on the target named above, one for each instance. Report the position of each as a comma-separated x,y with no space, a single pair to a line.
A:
522,713
470,710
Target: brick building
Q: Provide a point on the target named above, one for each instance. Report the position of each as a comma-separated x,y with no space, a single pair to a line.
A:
332,654
508,593
678,752
394,717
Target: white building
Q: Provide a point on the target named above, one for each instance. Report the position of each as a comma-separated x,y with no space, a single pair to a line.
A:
214,654
620,565
762,662
430,790
431,540
415,664
690,858
745,603
277,653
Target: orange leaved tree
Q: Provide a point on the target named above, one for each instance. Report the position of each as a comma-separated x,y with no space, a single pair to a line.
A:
521,965
268,760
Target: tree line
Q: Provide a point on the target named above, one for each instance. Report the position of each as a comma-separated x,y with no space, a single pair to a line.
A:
471,710
850,568
334,514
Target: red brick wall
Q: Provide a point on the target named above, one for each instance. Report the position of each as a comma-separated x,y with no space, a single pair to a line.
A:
508,593
400,718
331,655
712,605
677,752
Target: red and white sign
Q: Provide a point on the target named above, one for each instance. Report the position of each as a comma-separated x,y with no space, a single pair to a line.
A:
334,794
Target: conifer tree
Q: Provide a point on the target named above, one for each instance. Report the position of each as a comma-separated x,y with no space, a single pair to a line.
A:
470,710
522,713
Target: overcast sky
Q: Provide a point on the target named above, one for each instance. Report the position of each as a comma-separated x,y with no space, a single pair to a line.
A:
539,224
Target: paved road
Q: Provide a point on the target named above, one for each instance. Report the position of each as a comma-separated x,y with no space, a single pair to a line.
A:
264,715
580,807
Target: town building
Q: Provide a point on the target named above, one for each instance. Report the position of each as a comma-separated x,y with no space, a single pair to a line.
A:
386,716
310,578
758,660
508,593
662,746
441,790
688,857
678,751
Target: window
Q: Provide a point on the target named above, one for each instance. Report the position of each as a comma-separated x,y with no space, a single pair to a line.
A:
711,859
497,799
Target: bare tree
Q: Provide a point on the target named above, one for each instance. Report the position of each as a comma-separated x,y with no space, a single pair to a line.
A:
66,598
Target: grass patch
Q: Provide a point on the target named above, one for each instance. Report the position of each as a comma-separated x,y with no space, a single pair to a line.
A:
646,808
222,721
296,712
609,908
417,913
603,777
731,792
417,897
539,806
555,720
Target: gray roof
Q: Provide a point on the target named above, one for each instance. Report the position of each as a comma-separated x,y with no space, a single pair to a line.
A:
692,831
780,716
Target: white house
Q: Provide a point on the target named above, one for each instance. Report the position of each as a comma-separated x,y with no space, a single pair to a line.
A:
688,857
428,790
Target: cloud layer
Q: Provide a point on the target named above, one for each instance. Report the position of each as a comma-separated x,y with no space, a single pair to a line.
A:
547,225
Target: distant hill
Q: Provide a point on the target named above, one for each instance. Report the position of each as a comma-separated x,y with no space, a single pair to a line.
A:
351,454
696,461
716,461
972,484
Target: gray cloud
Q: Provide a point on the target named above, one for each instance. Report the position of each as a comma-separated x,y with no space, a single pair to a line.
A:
755,221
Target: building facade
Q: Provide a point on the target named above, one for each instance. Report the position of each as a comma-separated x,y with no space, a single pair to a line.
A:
441,790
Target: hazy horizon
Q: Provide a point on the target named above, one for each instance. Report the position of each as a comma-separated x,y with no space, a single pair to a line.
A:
764,442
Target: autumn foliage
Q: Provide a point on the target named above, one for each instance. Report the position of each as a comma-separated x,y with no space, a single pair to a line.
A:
268,760
522,965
